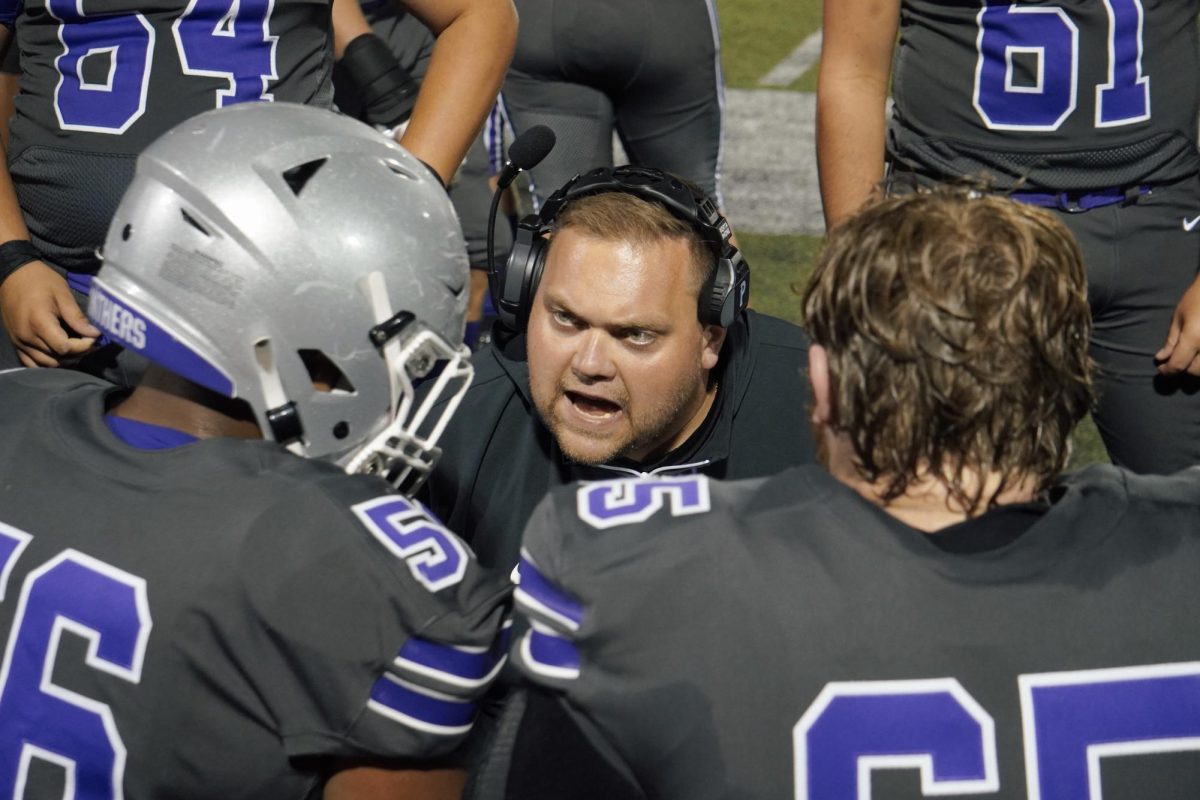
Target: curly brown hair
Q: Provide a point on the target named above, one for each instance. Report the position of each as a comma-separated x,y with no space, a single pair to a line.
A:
957,327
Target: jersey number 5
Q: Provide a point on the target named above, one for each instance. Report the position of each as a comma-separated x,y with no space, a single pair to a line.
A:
1047,40
104,69
39,719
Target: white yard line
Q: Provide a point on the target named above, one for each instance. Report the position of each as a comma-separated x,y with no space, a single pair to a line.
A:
770,175
796,63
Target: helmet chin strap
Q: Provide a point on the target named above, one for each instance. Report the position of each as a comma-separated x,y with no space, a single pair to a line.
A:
373,287
275,399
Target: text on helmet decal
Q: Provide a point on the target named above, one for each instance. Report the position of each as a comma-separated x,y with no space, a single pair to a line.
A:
118,321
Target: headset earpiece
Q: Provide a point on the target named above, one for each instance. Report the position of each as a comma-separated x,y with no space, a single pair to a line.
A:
727,291
518,283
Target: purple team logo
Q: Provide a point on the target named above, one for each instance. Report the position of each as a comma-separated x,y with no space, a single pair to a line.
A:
620,502
434,555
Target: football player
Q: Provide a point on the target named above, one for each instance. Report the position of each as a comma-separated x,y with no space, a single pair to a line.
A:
938,613
189,609
99,83
1087,108
650,72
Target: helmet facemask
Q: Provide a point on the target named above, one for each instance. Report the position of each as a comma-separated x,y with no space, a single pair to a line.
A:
405,451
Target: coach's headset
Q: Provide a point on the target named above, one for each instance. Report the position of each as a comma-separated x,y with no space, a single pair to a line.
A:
723,296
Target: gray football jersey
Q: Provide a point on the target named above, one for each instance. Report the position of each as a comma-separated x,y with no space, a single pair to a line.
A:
1066,94
101,79
217,620
781,638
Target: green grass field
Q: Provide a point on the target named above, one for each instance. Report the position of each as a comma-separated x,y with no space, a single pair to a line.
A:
758,34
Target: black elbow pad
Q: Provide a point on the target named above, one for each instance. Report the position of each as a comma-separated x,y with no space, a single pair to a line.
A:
387,91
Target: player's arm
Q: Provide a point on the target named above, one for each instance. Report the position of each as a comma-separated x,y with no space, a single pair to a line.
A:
548,656
370,783
475,41
387,91
1181,351
858,37
349,23
37,308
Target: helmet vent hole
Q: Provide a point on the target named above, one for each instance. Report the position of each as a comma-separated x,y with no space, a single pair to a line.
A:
398,168
126,232
190,220
341,430
298,177
323,373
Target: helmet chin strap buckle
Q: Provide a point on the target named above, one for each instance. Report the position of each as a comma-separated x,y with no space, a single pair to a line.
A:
390,328
419,363
285,423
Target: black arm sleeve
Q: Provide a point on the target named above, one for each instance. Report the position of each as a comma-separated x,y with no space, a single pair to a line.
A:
386,89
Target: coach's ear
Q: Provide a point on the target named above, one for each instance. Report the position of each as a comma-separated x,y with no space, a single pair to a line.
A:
818,377
713,341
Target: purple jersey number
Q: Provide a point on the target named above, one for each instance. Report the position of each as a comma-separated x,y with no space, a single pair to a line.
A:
627,500
854,728
229,39
78,594
434,555
1027,74
1071,721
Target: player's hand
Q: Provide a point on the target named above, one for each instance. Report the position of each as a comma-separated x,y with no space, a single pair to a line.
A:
1181,353
40,314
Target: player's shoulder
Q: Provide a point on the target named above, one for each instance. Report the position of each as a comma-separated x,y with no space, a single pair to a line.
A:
46,382
1139,494
323,501
653,511
364,540
25,393
594,551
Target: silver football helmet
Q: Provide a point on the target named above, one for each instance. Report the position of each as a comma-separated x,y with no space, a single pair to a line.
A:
296,259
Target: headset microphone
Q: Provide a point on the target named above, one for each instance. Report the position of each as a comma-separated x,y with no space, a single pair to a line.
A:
526,152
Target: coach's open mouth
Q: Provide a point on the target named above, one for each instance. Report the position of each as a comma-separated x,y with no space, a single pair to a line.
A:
592,406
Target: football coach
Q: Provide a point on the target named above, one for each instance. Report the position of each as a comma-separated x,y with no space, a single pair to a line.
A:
624,348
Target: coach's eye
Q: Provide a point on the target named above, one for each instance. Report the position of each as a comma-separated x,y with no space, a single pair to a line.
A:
639,337
564,319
